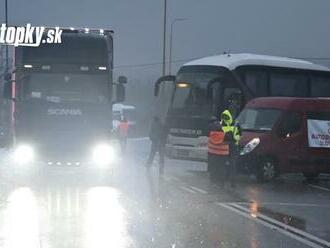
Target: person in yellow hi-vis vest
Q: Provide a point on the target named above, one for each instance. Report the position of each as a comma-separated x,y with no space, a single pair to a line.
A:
223,149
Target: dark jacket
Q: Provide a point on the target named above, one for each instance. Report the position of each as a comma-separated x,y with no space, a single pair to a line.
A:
157,132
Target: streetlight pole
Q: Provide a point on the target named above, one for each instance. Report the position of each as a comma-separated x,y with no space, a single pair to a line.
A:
6,20
164,37
171,42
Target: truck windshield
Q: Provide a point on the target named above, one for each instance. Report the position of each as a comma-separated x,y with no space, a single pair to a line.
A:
194,98
258,119
68,87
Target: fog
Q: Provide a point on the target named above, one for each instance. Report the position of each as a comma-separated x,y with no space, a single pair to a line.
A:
294,28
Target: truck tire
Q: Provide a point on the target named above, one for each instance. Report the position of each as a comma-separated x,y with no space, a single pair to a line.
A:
266,170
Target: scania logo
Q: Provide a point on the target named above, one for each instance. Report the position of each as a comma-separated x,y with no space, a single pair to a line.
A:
64,112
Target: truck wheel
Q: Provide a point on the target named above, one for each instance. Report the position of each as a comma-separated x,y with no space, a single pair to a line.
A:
266,170
310,176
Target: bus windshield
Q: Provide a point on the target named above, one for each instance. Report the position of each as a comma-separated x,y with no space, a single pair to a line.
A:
194,98
68,87
258,119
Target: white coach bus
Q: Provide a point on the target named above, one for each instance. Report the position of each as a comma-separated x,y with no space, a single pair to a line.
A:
203,88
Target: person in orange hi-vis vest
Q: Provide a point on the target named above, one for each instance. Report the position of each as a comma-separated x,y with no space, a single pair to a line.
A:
123,133
222,149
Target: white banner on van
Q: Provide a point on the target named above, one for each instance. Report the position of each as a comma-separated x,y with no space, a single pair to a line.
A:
318,133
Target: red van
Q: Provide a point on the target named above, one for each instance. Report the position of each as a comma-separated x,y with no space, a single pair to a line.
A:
285,135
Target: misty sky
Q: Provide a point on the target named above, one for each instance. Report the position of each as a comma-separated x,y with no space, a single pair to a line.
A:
296,28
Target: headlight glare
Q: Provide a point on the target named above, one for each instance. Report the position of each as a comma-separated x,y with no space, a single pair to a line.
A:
249,147
103,154
23,154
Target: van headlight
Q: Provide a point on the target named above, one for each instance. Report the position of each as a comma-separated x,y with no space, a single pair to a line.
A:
103,154
249,147
23,154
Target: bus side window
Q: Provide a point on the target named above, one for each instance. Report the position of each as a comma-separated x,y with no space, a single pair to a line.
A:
256,81
288,84
320,86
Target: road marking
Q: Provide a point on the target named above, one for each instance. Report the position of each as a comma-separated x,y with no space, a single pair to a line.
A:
273,224
283,204
319,187
287,227
199,190
187,189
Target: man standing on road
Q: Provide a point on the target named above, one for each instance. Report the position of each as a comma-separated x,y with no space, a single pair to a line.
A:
158,139
223,149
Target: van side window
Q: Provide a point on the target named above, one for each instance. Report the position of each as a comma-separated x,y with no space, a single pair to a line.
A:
291,124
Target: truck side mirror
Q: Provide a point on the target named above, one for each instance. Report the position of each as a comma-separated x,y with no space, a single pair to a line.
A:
120,90
161,80
120,93
122,80
8,87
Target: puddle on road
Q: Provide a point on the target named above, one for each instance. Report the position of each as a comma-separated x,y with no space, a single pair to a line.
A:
290,220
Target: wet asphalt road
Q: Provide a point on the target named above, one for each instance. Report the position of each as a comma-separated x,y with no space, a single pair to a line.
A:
129,206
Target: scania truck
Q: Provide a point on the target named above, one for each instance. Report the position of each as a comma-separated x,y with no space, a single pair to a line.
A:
62,97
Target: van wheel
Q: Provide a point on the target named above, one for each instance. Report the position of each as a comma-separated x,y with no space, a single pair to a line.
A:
266,170
310,176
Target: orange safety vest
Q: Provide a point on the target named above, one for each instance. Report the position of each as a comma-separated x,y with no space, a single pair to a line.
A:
123,129
216,144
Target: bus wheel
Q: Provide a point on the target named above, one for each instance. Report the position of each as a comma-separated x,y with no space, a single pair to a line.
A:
266,170
310,176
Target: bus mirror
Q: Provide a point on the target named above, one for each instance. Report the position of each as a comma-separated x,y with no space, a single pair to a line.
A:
165,79
120,93
235,103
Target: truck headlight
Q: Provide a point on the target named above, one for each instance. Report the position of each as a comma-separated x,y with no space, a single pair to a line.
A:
23,154
103,154
249,147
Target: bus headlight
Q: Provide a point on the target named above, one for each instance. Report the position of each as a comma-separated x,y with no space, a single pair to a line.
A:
23,154
249,147
103,154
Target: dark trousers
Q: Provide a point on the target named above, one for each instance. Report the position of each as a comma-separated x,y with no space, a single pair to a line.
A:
222,168
156,146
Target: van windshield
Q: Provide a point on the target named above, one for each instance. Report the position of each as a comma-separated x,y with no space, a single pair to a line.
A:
252,119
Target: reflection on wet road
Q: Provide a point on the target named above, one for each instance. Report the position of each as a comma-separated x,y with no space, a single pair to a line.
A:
130,206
